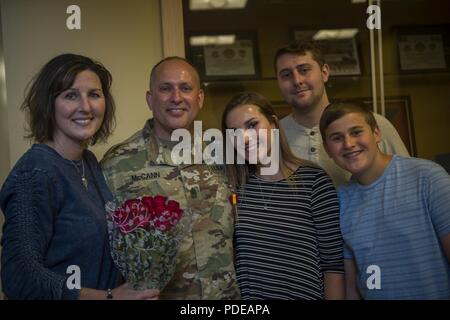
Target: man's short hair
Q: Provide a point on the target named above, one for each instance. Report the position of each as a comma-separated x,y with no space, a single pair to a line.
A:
340,108
152,72
300,47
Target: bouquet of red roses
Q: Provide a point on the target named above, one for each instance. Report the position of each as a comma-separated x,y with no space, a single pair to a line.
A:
145,235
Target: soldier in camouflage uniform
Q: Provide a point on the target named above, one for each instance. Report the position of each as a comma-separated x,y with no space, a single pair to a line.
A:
142,165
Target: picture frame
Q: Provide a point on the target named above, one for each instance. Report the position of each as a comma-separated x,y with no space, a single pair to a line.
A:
399,112
236,61
423,48
341,55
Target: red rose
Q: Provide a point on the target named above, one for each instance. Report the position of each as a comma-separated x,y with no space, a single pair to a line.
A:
173,205
131,205
158,211
148,202
159,201
147,211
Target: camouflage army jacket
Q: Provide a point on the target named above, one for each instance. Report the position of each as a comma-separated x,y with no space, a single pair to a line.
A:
142,165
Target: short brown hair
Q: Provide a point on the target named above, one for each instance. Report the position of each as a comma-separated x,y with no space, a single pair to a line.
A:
152,72
300,47
340,108
55,77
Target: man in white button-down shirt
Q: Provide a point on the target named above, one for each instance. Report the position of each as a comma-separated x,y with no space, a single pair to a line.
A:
302,74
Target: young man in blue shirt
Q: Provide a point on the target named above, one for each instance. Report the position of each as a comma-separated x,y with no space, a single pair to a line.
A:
395,212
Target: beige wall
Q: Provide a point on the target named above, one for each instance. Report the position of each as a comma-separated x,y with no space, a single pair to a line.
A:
4,135
4,154
124,35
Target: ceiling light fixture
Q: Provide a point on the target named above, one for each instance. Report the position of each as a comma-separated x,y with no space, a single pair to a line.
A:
327,34
225,39
216,4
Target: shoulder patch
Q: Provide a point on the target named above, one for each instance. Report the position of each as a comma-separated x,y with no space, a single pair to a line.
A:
118,148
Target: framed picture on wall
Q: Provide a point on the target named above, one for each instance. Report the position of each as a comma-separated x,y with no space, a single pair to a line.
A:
339,49
423,48
224,56
398,112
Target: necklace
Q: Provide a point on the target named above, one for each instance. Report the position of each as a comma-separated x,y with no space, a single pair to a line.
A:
266,206
83,177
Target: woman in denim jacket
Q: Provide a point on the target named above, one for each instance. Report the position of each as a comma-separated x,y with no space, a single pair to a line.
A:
55,239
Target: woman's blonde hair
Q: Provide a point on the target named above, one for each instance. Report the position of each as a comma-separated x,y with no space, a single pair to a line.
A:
238,173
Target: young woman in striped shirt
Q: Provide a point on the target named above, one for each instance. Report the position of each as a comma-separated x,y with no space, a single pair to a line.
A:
287,239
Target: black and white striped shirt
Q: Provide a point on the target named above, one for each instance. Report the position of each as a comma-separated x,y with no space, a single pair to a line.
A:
287,235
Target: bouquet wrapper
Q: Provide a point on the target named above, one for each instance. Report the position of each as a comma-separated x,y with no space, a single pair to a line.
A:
145,240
